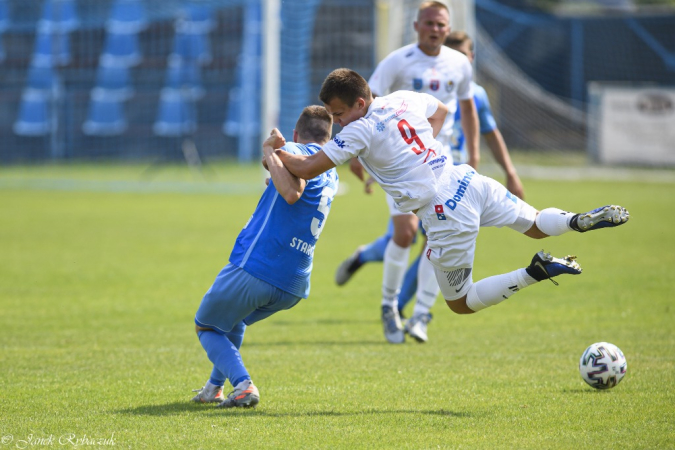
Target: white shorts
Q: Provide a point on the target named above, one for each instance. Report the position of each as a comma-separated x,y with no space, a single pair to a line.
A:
465,202
392,207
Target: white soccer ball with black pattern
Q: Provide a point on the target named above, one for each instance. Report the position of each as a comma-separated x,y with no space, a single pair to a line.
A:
603,365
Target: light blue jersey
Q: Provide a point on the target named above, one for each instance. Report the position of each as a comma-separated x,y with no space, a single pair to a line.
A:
486,123
277,243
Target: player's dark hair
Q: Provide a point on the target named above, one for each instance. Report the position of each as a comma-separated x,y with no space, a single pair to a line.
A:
314,125
457,38
345,85
427,5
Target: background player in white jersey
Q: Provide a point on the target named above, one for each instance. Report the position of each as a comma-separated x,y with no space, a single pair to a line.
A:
460,41
426,66
394,138
271,262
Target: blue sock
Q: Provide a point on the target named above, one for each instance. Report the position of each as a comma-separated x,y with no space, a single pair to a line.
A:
217,377
225,356
375,250
409,286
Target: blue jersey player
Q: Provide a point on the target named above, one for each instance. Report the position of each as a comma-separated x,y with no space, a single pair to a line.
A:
271,262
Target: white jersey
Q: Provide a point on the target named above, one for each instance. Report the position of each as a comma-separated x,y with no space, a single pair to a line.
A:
394,141
446,76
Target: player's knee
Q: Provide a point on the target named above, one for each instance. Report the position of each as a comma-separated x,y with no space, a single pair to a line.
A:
198,329
459,306
535,233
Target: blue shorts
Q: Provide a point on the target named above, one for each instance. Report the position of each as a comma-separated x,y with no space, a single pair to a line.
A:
235,296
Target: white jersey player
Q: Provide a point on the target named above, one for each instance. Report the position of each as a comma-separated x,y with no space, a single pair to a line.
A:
427,66
394,137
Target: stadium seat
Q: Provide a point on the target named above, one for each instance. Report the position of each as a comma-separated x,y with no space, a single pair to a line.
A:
199,18
114,81
121,50
106,115
52,48
59,16
186,76
34,118
177,114
191,45
127,16
40,79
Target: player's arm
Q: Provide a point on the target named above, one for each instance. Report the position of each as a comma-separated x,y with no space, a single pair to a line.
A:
306,167
469,117
497,146
438,118
288,185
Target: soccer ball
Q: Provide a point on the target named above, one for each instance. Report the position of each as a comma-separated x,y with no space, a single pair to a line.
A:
602,365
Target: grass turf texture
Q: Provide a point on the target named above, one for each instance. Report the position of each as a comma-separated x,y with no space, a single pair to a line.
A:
98,292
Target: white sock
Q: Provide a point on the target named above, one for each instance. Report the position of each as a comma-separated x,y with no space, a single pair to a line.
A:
494,290
554,221
427,287
395,264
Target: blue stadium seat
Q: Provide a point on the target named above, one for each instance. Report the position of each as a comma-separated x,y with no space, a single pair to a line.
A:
191,45
176,115
127,16
34,118
114,81
59,16
52,48
186,76
41,79
199,18
106,115
121,50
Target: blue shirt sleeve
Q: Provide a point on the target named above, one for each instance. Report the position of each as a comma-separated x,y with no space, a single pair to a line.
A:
486,120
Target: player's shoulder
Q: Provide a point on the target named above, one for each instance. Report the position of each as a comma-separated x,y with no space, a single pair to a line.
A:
478,90
453,56
404,53
297,149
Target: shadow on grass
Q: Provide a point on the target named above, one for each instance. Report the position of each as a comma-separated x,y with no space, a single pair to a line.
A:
176,408
379,343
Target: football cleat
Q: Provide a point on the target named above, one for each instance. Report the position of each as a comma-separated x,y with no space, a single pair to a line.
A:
603,217
545,267
393,330
210,393
416,327
348,268
245,395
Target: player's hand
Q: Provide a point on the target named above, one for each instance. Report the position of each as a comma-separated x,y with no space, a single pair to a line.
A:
368,185
514,186
275,140
267,181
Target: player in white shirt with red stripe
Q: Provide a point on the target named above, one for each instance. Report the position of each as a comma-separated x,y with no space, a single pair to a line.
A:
430,67
394,138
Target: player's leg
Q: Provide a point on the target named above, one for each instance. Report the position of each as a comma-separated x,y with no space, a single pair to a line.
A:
362,255
409,285
394,267
427,292
220,327
554,221
495,207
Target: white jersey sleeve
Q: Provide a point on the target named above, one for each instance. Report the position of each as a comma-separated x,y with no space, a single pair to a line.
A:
384,76
432,104
354,140
465,87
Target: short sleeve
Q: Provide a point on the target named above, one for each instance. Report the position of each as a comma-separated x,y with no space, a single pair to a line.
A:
431,104
384,76
353,140
465,87
485,118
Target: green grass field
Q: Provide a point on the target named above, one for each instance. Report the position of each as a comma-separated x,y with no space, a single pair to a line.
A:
100,280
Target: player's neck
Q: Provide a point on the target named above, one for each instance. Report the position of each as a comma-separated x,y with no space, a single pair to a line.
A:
429,51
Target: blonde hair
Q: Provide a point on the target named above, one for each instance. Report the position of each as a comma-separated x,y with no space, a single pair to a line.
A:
430,4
